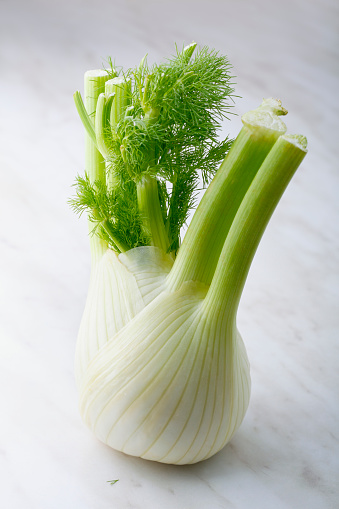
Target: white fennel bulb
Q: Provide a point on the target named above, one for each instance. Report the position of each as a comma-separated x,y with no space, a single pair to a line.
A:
120,287
161,368
173,385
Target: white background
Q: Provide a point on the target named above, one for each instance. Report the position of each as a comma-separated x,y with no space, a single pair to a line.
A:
285,455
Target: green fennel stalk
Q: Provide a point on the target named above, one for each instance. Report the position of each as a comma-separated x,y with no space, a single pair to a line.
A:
94,161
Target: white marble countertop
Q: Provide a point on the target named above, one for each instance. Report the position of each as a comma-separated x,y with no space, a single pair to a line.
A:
286,453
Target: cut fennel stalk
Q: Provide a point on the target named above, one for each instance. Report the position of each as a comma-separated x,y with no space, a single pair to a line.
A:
161,368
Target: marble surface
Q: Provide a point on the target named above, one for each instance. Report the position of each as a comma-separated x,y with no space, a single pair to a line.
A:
286,453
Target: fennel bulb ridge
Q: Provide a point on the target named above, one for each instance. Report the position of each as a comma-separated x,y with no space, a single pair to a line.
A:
172,385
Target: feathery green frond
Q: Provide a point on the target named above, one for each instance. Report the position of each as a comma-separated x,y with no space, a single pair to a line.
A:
113,213
168,129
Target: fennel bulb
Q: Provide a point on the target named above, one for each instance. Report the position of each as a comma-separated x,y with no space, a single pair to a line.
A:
161,368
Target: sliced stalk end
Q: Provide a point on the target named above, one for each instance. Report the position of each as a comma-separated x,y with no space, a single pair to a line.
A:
298,140
266,116
274,106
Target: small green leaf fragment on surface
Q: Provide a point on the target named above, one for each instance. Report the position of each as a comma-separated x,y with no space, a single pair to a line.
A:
114,481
